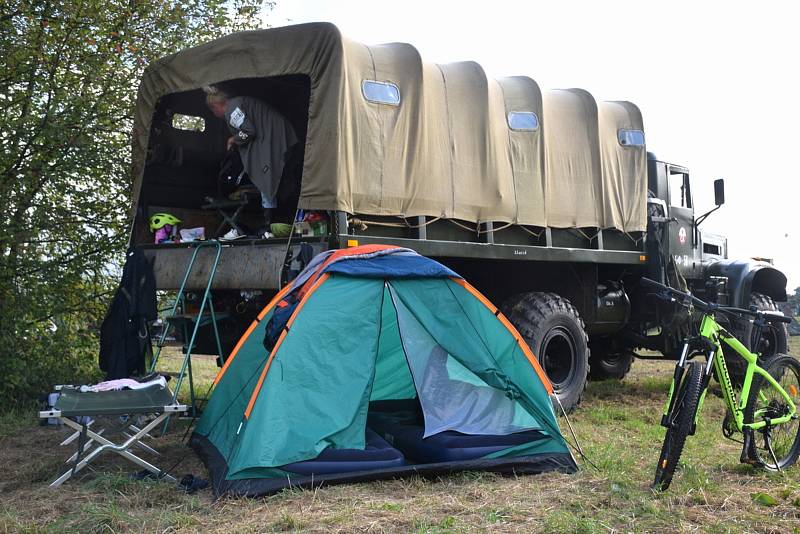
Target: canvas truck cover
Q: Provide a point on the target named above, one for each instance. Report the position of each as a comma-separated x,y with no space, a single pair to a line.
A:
447,149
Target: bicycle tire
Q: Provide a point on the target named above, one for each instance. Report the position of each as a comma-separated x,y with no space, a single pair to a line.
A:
785,438
682,417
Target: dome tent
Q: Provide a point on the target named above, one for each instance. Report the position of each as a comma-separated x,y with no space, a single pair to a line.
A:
381,363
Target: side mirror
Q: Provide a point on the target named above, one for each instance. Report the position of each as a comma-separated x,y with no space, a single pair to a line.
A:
719,192
719,200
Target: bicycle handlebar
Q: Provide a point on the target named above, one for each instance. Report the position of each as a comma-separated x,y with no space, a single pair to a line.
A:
670,294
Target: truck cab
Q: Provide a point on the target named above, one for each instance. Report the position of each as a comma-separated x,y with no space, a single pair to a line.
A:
682,254
684,243
701,257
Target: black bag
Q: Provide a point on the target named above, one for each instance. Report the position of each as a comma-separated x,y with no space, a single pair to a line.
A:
276,324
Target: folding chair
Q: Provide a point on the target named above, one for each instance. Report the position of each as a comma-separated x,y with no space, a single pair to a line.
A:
230,210
72,403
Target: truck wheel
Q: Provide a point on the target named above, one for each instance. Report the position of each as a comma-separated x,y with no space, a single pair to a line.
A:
773,340
609,365
554,331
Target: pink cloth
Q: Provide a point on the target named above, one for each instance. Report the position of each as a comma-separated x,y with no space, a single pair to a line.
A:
123,383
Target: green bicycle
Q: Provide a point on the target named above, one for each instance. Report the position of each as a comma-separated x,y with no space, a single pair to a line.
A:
765,410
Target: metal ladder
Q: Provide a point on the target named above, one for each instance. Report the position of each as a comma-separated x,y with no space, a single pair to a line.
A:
193,320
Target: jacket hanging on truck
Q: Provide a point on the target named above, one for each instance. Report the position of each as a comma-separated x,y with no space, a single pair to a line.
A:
124,334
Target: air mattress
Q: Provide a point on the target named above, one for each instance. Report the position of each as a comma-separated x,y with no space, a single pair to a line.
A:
377,454
406,434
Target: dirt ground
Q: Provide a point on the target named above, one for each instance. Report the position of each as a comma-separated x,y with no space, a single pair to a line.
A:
617,424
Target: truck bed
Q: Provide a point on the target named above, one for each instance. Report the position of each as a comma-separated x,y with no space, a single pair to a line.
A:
439,238
244,263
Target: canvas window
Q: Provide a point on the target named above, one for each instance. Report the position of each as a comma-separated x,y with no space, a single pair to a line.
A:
189,123
523,121
631,137
381,92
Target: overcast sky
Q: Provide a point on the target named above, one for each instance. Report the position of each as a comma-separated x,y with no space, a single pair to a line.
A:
716,83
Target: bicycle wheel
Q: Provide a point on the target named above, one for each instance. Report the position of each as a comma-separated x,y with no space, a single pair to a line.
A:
765,402
681,420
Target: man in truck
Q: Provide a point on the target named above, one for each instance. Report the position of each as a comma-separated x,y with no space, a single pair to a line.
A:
262,136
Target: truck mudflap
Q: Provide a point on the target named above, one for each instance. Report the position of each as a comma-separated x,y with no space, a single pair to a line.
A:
747,276
243,264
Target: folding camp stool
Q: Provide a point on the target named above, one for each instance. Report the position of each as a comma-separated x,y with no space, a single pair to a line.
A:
72,403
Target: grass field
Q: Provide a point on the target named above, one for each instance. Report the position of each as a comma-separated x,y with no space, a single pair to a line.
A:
617,424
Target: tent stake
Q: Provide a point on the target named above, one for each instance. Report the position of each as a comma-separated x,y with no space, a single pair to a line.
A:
577,445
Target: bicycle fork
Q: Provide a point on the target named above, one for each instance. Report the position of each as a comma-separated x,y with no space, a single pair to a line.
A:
709,370
677,376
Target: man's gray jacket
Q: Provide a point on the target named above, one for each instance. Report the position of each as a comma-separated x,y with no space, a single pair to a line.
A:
263,135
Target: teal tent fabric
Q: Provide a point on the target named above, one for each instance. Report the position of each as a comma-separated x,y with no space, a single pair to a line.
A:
471,333
392,376
346,348
452,396
317,390
225,409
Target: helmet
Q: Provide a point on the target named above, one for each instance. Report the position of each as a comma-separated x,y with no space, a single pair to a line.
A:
158,220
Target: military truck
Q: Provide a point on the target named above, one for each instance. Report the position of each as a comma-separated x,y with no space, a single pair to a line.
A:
547,201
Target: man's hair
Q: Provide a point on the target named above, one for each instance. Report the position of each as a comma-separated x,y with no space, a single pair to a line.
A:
214,95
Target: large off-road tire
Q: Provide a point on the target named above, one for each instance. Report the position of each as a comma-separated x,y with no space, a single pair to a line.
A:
607,362
554,331
681,421
610,366
774,340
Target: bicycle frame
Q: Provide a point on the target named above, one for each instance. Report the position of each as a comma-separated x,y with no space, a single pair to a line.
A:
714,335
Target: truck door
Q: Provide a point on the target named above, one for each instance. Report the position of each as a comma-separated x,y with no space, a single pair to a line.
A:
681,208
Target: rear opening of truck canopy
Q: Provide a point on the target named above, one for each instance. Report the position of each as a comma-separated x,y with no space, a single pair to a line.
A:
387,134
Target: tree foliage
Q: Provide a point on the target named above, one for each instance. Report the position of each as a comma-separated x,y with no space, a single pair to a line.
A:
793,301
68,83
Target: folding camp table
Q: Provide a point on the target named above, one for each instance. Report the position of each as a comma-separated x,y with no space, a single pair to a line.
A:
72,403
